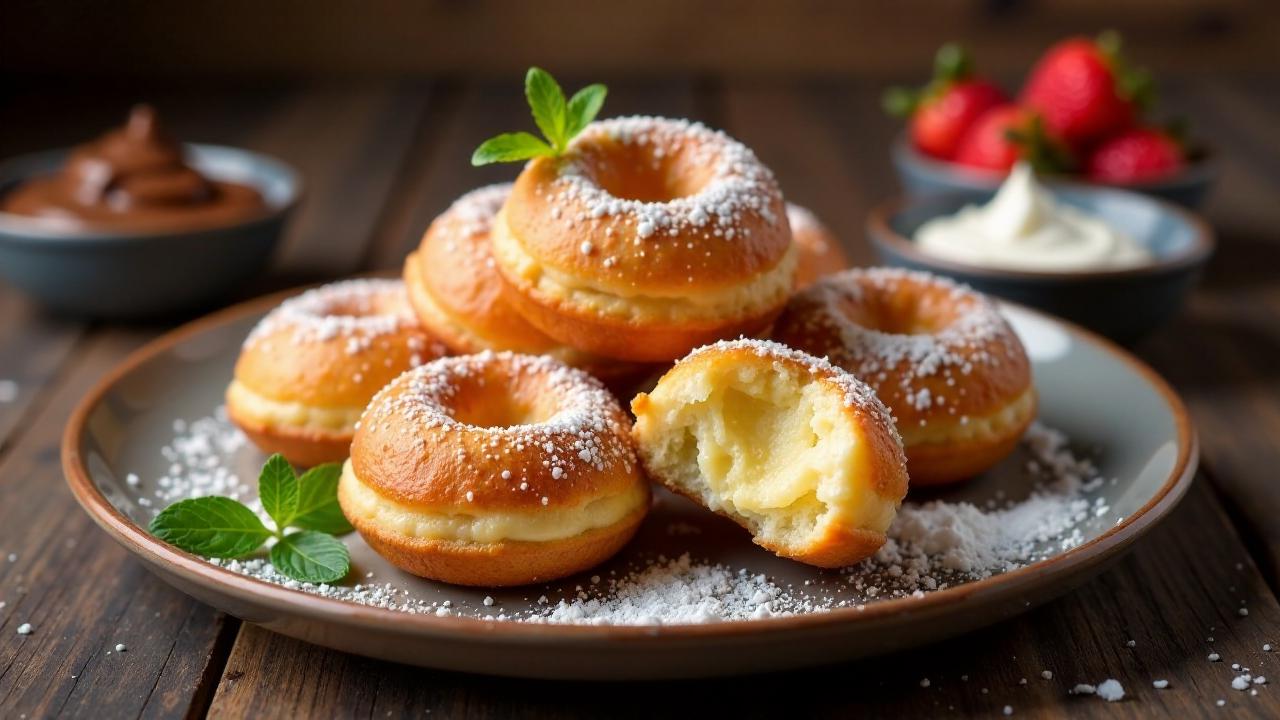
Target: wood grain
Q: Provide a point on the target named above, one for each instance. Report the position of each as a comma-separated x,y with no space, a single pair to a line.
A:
82,594
382,158
1187,568
1221,354
391,37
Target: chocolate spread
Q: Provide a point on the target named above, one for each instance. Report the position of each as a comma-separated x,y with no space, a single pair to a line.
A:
132,178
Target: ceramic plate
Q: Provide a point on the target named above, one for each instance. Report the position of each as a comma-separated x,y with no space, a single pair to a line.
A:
1134,427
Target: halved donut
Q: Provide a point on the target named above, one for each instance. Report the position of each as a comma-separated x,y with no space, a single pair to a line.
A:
308,369
494,469
647,238
795,450
938,354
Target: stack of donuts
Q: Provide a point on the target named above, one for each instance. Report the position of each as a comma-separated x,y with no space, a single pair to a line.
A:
477,403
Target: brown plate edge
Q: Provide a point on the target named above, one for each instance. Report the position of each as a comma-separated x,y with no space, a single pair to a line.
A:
199,571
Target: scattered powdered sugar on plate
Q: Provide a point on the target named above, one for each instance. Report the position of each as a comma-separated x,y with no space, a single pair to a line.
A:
680,592
932,545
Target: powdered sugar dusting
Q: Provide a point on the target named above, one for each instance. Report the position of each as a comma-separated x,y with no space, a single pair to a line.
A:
818,319
573,435
932,546
355,310
738,183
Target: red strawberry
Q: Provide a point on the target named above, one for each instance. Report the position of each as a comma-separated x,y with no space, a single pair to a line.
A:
1006,134
1084,91
1134,156
945,108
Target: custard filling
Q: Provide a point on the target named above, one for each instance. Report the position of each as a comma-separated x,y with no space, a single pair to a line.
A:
779,453
260,410
363,503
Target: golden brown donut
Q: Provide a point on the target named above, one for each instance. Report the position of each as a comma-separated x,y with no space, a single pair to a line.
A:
819,251
796,450
308,369
494,469
460,297
647,238
938,354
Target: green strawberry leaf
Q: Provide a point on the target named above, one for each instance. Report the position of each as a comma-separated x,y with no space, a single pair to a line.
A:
278,489
217,527
311,557
583,108
546,100
510,147
318,507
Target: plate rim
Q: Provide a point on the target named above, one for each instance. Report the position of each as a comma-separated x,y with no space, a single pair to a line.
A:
200,571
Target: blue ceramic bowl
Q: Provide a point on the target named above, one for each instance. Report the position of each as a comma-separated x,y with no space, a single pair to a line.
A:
1122,304
116,274
921,175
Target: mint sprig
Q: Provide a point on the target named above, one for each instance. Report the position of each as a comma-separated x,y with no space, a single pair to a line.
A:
220,527
558,119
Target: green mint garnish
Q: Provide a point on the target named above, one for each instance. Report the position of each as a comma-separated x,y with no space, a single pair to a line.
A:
559,120
278,490
213,526
318,501
219,527
311,556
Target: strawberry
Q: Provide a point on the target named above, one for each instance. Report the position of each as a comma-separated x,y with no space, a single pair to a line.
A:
1084,90
1008,133
1135,156
945,108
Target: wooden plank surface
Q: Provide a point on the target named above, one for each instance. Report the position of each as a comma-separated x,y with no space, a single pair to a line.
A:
395,155
1187,569
1222,352
82,593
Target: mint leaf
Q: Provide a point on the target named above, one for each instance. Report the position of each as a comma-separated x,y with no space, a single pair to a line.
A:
311,557
546,100
510,147
278,489
217,527
318,501
583,108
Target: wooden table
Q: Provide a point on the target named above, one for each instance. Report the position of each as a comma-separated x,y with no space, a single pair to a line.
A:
380,160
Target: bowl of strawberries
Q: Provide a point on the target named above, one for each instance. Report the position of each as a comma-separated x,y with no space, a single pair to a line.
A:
1083,115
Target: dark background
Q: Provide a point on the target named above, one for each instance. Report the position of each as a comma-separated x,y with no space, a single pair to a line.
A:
608,38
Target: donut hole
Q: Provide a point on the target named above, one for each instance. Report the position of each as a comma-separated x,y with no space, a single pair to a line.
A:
644,172
499,400
899,314
771,448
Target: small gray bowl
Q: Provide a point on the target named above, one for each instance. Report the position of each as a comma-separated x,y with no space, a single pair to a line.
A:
120,274
923,175
1122,304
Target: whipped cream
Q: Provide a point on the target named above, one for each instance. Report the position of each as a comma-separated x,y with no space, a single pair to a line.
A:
1024,228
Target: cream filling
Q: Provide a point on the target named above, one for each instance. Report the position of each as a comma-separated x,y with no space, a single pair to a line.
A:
777,452
363,503
757,296
987,427
275,413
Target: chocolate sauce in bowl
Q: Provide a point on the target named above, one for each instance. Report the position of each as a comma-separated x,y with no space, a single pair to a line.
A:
132,178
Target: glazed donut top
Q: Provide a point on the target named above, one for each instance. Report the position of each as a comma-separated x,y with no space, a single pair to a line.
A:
336,344
495,431
649,205
928,345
